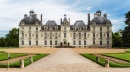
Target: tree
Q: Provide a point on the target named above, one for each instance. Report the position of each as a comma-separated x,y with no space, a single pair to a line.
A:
11,39
2,42
116,39
126,32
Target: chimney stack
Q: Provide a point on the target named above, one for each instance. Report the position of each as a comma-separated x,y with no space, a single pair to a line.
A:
105,15
25,15
41,17
61,20
69,20
88,18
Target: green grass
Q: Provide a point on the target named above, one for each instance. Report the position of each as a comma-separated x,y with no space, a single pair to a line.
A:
122,56
4,56
102,61
26,61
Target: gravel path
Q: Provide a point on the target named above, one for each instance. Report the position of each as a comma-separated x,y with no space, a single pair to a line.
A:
65,60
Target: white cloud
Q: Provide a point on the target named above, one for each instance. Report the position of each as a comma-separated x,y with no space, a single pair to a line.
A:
88,8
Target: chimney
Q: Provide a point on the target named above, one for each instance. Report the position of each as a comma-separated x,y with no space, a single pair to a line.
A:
105,15
95,15
69,20
35,15
41,17
88,18
61,20
25,15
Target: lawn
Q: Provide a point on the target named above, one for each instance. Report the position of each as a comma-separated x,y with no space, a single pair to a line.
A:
102,61
122,56
4,56
26,61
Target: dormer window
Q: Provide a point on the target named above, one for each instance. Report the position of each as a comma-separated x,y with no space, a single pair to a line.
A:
79,28
36,23
108,23
22,23
50,28
94,23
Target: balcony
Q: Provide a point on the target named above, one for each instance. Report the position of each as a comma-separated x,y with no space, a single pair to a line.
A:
29,38
85,38
36,38
45,38
79,37
74,37
22,38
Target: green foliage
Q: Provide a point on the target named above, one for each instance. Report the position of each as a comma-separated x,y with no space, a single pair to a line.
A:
126,32
26,61
122,56
11,39
4,56
102,61
116,39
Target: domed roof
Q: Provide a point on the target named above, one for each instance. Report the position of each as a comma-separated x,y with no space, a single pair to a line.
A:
100,20
32,19
79,23
51,23
98,11
31,11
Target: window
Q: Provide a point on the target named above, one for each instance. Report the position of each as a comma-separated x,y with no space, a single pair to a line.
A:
73,35
45,35
100,42
79,42
36,42
22,28
100,28
85,35
93,43
36,28
29,42
93,34
108,28
74,42
107,42
93,28
45,42
22,34
108,35
55,42
50,35
100,35
64,35
55,35
84,42
79,35
36,34
65,28
22,42
29,28
50,42
29,34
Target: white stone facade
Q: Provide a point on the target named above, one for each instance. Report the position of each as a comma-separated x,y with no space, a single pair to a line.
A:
32,33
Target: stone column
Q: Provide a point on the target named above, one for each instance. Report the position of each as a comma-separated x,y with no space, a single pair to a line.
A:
106,63
21,63
97,59
31,58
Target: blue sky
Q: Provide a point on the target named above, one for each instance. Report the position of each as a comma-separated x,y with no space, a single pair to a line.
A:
12,11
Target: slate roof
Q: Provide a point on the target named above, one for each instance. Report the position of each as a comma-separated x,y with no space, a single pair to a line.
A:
51,23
